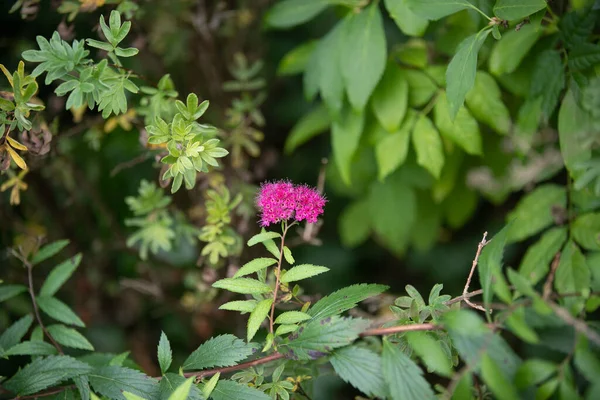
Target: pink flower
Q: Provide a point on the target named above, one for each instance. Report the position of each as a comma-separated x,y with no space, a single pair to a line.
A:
281,200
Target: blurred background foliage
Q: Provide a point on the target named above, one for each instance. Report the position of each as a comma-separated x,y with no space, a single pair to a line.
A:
386,221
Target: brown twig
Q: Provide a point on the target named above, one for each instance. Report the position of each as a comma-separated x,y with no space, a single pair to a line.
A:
258,361
578,325
473,266
130,163
277,276
398,329
309,232
45,393
550,279
458,299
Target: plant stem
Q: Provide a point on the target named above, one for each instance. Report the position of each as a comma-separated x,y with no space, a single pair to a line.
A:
473,266
277,275
258,361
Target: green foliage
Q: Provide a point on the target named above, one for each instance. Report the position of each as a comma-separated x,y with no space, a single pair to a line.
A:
165,356
112,380
223,350
361,368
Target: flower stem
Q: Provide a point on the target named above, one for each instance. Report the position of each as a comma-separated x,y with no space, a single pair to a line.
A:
277,275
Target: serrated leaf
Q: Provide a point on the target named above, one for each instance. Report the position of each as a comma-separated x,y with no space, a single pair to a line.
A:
403,377
111,381
183,390
10,291
361,368
164,354
32,348
363,55
436,9
509,51
288,13
431,352
255,265
292,317
59,275
463,130
344,299
310,125
69,337
484,101
220,351
408,22
460,75
83,386
573,127
45,372
390,98
170,382
534,212
302,271
239,305
242,285
491,277
547,81
287,254
345,137
261,237
211,384
428,146
14,333
228,390
58,310
48,251
319,336
535,263
517,9
257,316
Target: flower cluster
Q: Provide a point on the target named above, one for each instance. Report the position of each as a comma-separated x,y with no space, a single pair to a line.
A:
282,200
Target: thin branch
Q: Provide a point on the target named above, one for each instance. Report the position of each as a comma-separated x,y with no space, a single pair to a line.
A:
277,276
458,299
309,232
550,279
258,361
473,266
46,393
398,329
130,163
578,325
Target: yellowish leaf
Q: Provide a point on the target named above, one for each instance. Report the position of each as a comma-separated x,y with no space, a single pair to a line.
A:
7,74
16,158
15,144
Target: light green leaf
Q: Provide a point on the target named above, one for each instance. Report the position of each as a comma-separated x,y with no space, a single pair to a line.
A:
519,326
58,310
533,372
255,265
210,385
243,306
10,291
288,13
361,368
490,268
111,381
328,54
436,9
517,9
183,390
261,237
287,254
403,377
572,276
463,130
586,231
534,211
59,275
420,87
285,329
428,146
509,51
390,98
492,375
164,353
257,316
586,361
220,351
48,251
242,285
573,127
535,264
294,62
30,348
170,382
391,150
69,337
345,137
431,352
229,390
484,101
310,125
363,55
460,75
302,271
409,23
14,333
344,299
292,317
131,396
547,81
354,224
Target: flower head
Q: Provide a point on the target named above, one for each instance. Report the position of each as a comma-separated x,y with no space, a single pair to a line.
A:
282,200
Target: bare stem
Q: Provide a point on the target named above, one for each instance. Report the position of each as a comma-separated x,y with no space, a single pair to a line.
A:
258,361
277,276
550,279
473,266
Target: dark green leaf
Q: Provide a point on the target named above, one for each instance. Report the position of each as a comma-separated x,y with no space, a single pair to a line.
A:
10,291
289,13
361,368
535,264
310,125
294,62
59,275
586,231
14,333
573,128
490,266
165,356
220,351
354,224
431,352
344,299
587,361
498,383
111,381
69,337
345,137
32,348
572,275
403,377
517,9
58,310
48,251
229,390
533,372
547,81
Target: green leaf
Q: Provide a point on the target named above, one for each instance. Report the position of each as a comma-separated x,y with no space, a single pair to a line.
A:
344,299
586,361
535,263
460,75
128,52
32,348
292,317
164,353
59,275
572,276
345,137
533,372
294,62
169,384
228,390
328,54
508,53
431,352
14,333
257,316
310,125
573,127
288,13
492,375
48,251
547,81
111,381
409,23
584,56
363,55
517,9
354,224
220,351
242,285
287,254
518,325
255,265
131,396
261,237
391,150
69,337
58,310
436,9
10,291
420,87
490,267
239,305
361,368
403,377
428,146
534,211
99,45
319,336
183,390
485,103
463,130
390,98
45,372
302,271
586,231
